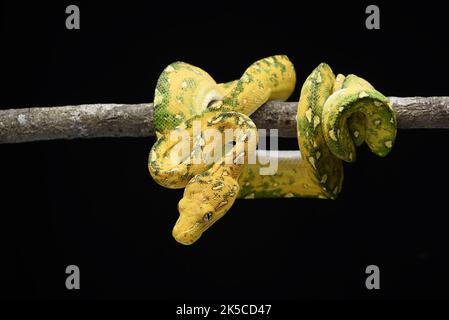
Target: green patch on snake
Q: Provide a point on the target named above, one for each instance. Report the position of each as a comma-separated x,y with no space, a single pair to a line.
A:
280,65
274,79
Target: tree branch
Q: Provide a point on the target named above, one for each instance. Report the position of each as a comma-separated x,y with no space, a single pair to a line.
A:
136,120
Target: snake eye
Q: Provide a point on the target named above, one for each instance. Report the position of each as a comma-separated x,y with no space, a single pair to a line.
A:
207,216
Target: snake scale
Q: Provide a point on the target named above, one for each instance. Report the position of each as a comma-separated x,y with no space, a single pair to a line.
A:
335,114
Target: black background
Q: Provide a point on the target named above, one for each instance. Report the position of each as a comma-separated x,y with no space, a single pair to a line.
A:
92,202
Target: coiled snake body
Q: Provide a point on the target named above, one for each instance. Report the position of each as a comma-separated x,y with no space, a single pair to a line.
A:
335,114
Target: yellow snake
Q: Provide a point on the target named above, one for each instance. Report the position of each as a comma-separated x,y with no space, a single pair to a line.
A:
335,114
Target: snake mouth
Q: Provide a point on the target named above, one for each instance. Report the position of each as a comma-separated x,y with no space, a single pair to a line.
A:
189,236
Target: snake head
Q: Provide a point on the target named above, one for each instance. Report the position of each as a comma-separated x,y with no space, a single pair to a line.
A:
198,211
195,217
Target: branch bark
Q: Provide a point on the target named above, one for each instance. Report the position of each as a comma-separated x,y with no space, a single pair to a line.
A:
136,120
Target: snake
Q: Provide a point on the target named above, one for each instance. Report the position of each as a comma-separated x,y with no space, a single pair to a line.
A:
335,114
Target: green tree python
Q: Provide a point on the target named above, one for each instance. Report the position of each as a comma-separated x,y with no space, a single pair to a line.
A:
335,114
